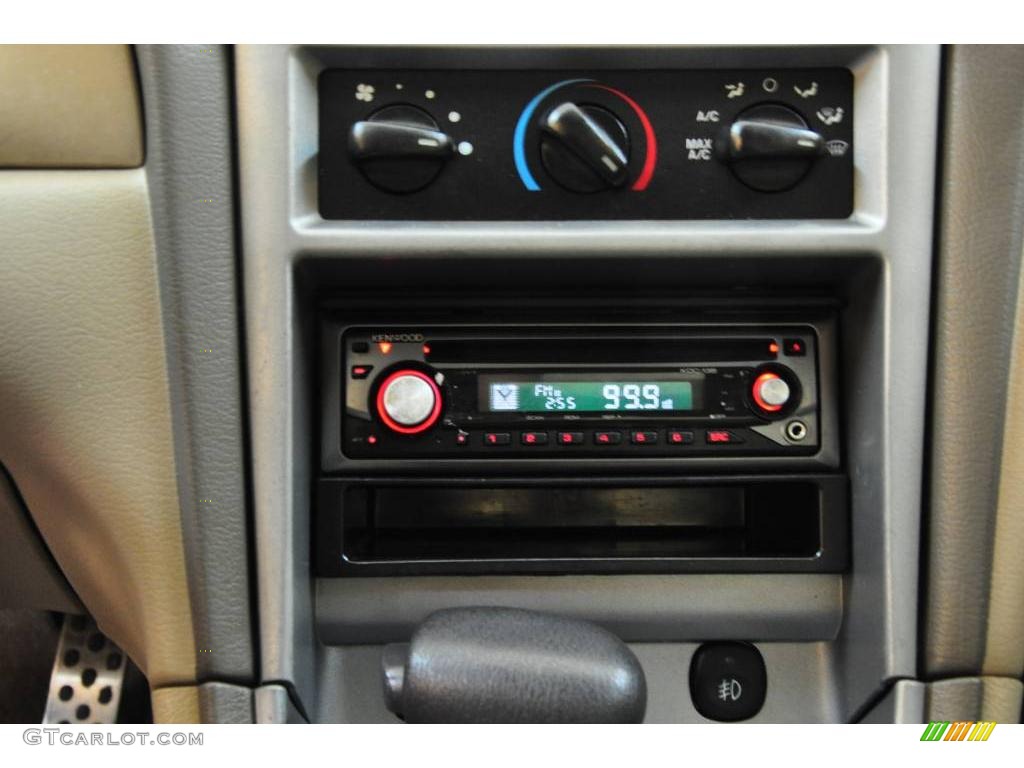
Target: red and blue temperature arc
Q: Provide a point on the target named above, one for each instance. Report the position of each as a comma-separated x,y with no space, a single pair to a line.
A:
519,137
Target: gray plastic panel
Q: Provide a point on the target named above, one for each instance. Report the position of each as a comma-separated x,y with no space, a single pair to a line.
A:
801,684
902,703
225,703
274,706
636,608
978,272
883,332
189,169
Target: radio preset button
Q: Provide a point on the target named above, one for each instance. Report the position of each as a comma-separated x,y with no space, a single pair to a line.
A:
607,438
533,438
570,438
722,437
497,438
643,437
680,437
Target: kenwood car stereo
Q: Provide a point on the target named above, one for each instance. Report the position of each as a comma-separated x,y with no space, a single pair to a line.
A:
565,392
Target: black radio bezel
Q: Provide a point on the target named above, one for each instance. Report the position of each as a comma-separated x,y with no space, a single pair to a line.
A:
746,457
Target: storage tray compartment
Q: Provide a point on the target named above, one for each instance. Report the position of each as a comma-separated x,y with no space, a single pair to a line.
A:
375,528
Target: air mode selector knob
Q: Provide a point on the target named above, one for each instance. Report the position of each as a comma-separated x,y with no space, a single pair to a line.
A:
771,393
770,147
408,401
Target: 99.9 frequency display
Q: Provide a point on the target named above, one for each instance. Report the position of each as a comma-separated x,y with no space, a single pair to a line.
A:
589,396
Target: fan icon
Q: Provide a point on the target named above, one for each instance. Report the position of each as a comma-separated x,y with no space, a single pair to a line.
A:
365,92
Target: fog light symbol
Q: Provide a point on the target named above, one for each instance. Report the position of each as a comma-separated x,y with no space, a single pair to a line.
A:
730,689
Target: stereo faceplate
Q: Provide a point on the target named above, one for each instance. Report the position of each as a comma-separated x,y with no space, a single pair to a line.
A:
574,393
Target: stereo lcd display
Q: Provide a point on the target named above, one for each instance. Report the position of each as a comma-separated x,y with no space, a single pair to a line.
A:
592,395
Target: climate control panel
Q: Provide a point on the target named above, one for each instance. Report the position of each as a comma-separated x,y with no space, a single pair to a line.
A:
550,145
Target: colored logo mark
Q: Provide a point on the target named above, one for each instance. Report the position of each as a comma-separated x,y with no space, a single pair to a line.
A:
961,730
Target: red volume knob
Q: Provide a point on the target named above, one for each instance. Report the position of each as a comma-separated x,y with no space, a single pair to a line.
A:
408,402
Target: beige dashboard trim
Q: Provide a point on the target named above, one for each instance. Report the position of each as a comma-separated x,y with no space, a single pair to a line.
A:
85,421
176,705
205,703
69,106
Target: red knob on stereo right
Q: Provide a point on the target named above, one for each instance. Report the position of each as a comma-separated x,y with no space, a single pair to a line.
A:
774,391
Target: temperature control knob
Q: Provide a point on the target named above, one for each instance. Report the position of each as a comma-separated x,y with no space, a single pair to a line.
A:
400,148
769,147
408,401
584,147
771,393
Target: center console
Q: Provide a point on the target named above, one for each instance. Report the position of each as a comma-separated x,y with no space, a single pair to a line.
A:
630,336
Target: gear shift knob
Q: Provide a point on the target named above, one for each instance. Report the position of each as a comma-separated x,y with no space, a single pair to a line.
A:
505,665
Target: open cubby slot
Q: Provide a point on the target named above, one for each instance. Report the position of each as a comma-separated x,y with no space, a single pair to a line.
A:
459,524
